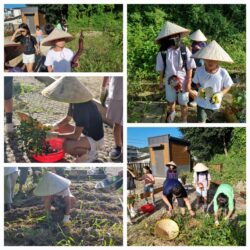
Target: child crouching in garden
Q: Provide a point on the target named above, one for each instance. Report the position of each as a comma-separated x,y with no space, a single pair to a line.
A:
212,81
52,186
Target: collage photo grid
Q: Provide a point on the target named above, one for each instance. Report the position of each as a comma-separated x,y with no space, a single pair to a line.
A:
124,124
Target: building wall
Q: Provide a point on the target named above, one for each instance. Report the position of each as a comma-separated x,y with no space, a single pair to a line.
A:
163,149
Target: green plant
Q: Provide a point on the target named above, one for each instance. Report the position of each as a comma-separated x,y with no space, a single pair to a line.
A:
31,136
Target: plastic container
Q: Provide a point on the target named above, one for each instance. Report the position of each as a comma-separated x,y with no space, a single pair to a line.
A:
56,143
148,208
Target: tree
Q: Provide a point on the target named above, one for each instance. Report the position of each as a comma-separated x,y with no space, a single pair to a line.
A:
206,142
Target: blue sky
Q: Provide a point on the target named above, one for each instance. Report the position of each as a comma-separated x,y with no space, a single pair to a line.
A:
12,6
138,136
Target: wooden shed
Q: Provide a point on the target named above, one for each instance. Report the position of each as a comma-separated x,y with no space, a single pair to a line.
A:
33,17
165,148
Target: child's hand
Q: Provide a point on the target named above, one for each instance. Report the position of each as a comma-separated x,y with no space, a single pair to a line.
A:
161,86
217,98
201,93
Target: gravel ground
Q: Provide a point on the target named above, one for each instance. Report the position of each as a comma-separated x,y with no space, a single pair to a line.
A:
27,98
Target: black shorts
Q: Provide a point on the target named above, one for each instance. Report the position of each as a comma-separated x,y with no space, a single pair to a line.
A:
180,201
8,87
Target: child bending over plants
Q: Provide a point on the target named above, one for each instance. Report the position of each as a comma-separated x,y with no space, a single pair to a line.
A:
52,186
223,199
173,188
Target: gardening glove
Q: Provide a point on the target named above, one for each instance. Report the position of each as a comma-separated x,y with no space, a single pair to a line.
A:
217,223
217,98
201,93
66,220
103,95
51,135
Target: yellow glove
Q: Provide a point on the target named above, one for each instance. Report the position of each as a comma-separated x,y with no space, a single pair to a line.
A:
201,93
217,98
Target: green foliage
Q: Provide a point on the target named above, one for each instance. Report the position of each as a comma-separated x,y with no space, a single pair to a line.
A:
206,142
224,23
200,231
102,29
31,136
234,164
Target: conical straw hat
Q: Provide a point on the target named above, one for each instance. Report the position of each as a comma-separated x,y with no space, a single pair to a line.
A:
213,51
55,35
12,49
170,29
69,90
200,167
171,163
51,184
167,229
198,36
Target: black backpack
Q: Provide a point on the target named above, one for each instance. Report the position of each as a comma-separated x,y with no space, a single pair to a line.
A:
183,56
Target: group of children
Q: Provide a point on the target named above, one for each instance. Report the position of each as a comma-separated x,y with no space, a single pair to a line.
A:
195,74
58,58
173,188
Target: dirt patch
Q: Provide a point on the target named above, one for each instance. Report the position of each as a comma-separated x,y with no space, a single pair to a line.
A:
96,220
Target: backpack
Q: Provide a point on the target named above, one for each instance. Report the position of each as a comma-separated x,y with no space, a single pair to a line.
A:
183,56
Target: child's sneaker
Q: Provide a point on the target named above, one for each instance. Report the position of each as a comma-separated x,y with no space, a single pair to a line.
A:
170,117
116,153
132,213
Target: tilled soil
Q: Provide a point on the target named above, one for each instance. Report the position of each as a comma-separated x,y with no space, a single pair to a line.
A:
28,98
96,220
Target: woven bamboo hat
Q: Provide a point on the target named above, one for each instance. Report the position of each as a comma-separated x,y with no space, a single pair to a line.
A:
200,167
170,29
198,36
69,90
171,163
12,49
167,229
51,184
55,35
213,51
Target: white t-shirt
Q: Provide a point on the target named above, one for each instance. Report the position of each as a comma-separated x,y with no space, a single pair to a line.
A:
116,88
217,81
59,60
202,179
174,64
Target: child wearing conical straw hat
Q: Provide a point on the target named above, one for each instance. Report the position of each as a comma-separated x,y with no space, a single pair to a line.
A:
175,64
85,137
51,186
58,58
212,80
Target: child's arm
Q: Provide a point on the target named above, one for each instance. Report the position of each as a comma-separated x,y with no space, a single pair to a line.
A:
161,79
225,90
188,80
13,38
50,69
132,173
153,179
166,201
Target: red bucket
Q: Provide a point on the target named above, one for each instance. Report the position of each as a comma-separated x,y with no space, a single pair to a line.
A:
56,143
148,208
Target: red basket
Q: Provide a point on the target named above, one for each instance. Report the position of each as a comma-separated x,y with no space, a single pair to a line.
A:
148,208
56,143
